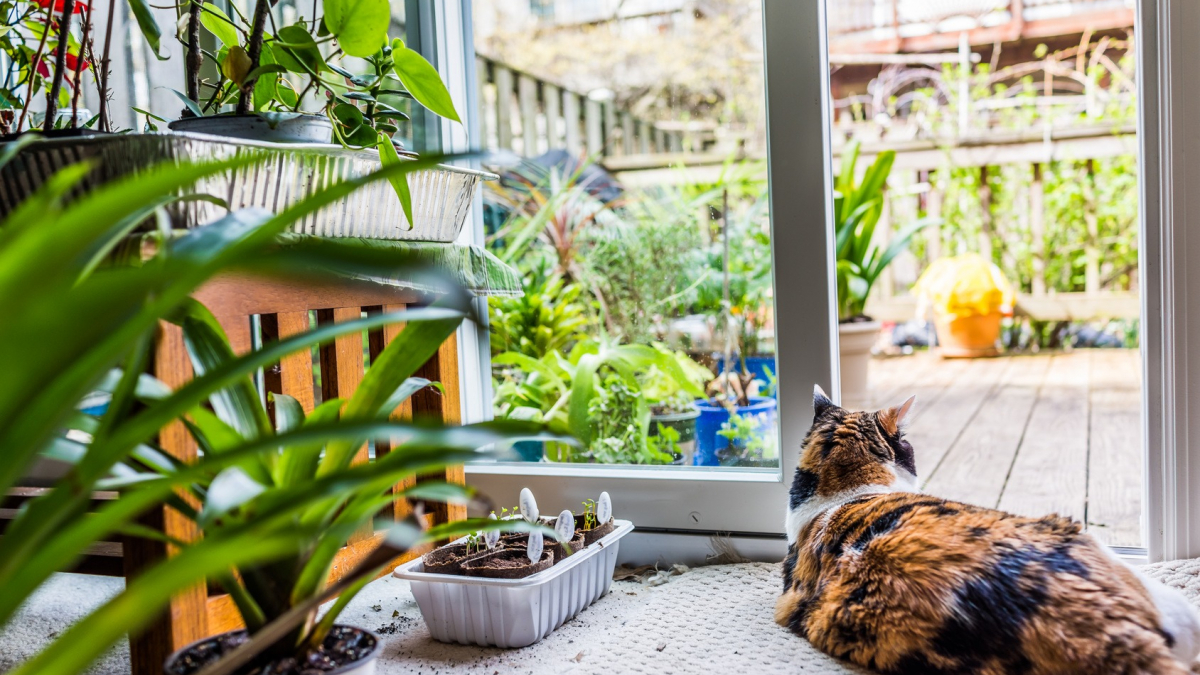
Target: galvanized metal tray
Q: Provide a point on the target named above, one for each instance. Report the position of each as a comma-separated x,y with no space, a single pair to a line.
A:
441,196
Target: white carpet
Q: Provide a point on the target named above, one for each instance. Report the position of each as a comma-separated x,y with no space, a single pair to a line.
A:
710,619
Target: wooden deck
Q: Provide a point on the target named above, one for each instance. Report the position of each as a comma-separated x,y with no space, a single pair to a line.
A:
1028,434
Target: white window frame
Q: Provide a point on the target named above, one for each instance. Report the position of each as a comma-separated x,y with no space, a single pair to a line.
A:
796,61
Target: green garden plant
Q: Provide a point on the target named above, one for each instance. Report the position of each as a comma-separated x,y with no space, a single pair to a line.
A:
548,317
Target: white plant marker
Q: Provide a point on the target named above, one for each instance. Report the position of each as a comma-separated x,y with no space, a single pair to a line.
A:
529,509
534,550
564,527
491,537
603,509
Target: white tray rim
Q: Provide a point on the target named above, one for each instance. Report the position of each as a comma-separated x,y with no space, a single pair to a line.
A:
621,528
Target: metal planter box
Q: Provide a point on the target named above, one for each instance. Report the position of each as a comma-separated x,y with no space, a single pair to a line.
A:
441,196
513,612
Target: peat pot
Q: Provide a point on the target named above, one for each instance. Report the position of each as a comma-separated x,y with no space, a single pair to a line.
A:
354,650
854,350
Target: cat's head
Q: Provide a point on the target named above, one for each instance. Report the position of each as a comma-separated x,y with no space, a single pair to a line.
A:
846,450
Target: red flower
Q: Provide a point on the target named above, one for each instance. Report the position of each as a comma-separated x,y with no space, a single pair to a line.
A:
80,7
73,63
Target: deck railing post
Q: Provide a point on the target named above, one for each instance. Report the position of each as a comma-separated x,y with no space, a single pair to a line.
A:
504,91
595,129
571,110
1037,230
627,133
487,113
527,103
643,137
610,125
552,100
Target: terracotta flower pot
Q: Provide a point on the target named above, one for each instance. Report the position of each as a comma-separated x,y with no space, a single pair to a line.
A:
968,337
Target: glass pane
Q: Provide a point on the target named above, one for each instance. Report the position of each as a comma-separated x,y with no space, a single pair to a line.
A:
1012,308
638,218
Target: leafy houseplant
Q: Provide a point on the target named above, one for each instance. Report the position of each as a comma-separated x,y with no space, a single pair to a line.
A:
969,296
267,76
99,336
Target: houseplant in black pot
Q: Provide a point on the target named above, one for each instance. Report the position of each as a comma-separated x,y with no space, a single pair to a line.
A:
672,404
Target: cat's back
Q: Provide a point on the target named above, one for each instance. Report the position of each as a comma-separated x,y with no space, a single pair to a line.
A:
908,583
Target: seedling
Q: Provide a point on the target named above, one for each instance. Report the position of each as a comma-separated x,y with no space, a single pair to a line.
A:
589,514
474,543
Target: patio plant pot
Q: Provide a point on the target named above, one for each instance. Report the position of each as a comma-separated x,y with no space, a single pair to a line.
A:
300,129
855,340
757,365
350,651
713,416
968,337
685,424
513,612
508,563
441,196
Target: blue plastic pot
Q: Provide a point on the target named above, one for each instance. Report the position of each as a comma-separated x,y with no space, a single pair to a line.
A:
757,365
713,416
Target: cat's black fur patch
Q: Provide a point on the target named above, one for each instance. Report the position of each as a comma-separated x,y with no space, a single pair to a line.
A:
804,486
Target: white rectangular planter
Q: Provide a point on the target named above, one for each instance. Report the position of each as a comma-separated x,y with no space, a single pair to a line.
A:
513,612
441,196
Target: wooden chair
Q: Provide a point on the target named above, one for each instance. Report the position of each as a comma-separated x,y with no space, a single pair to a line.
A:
283,308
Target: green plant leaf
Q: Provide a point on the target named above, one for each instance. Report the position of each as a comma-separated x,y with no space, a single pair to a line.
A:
144,15
192,106
296,50
360,25
219,24
389,157
421,80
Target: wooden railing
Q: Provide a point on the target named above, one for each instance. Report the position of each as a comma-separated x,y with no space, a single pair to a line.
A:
889,26
529,115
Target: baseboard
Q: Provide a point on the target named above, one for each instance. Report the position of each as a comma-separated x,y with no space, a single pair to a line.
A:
642,547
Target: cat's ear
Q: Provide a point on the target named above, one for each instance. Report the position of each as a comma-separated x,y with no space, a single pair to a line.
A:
904,412
821,402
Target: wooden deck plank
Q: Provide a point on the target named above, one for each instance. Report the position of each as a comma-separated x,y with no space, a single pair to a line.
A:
977,464
936,426
1116,464
1050,471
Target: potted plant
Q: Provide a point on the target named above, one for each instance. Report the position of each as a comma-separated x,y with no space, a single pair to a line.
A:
969,297
521,590
673,413
313,492
857,208
752,418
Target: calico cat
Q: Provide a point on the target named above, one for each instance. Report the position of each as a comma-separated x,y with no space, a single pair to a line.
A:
901,582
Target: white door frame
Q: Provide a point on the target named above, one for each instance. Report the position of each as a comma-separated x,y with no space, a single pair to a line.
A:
729,500
1169,107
